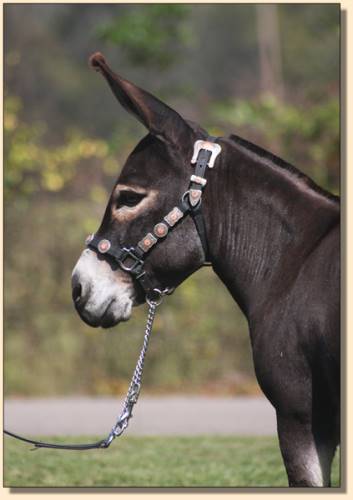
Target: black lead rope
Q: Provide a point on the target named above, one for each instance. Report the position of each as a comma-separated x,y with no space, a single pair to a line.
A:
103,443
131,260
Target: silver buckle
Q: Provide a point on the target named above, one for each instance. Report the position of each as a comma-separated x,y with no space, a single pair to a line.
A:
209,146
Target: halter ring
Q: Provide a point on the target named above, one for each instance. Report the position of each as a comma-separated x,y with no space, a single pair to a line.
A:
185,195
157,300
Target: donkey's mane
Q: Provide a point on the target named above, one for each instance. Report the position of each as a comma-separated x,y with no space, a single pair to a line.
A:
265,156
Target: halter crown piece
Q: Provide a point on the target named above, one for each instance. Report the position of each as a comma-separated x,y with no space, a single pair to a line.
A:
131,260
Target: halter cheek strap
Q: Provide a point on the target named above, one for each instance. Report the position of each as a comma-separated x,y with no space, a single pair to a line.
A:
132,259
205,154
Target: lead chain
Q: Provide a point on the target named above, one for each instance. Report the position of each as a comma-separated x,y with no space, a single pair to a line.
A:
135,385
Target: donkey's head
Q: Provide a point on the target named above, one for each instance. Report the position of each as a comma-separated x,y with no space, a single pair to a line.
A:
151,183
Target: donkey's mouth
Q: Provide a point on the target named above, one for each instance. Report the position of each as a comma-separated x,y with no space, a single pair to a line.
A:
112,315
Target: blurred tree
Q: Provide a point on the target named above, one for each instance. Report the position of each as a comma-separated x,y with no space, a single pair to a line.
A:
66,140
308,137
310,48
269,49
46,59
33,167
149,35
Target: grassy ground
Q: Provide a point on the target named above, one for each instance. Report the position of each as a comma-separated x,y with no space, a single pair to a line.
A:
152,461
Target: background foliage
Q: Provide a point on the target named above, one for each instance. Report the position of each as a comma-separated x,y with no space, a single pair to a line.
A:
66,140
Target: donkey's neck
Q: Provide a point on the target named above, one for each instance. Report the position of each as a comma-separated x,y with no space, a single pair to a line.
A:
264,218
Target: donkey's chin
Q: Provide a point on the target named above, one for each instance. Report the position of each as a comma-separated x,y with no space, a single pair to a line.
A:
109,316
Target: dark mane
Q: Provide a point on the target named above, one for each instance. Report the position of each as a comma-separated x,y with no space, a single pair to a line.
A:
278,162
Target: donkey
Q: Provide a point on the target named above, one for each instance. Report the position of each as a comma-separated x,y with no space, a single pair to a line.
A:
273,239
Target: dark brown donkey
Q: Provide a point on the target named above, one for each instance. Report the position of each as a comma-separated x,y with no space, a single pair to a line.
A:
273,239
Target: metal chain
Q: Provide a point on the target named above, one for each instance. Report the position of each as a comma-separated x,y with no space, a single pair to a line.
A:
135,385
153,301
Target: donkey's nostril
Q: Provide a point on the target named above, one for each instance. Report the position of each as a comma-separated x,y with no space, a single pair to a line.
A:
76,292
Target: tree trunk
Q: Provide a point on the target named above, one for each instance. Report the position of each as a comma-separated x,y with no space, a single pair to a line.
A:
269,50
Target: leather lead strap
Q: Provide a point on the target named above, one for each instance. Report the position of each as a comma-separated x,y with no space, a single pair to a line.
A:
39,444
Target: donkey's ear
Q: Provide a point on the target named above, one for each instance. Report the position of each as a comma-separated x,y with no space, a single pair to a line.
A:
160,119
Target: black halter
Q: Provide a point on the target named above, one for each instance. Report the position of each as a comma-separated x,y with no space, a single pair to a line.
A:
132,259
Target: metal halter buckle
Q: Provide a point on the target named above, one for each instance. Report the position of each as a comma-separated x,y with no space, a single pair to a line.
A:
209,146
128,253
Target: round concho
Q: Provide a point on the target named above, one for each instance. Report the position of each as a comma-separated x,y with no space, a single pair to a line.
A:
160,230
103,246
89,239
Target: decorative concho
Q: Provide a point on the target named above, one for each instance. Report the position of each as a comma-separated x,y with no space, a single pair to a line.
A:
147,242
173,216
89,239
194,196
104,245
160,230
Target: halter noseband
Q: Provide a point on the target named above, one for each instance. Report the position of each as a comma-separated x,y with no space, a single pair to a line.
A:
132,259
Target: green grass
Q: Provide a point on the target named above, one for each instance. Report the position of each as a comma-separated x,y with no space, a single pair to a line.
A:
151,462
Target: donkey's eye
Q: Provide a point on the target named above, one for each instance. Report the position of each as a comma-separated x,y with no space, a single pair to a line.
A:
129,199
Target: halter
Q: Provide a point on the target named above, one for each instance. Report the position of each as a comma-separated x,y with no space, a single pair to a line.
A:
132,261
